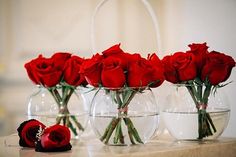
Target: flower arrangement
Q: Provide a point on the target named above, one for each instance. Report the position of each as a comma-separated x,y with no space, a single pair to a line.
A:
203,73
115,70
60,75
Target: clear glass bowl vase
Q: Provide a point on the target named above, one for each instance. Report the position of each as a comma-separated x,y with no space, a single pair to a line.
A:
186,119
124,116
43,106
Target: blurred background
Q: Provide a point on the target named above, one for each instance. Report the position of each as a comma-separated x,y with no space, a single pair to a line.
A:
31,27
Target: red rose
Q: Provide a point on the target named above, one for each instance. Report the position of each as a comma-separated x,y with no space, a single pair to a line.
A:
54,138
31,70
179,67
43,71
72,75
200,52
154,59
116,52
143,73
60,58
91,69
27,132
170,72
157,64
185,66
217,68
112,73
132,58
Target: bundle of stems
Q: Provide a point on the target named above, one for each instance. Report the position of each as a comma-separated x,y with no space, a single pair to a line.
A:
64,117
200,93
122,99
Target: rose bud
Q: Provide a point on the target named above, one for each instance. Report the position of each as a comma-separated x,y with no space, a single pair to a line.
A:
27,132
217,68
43,71
72,75
54,139
112,73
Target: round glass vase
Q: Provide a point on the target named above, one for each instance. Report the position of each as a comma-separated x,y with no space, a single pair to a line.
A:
124,116
68,109
189,118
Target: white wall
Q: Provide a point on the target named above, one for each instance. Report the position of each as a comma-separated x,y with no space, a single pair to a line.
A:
28,27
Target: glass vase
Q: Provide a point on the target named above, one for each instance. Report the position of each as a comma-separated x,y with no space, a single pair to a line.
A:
124,116
70,110
189,118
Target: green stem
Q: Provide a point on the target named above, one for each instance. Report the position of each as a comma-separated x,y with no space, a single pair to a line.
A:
134,131
71,91
118,100
211,122
107,130
200,128
71,127
208,130
192,95
121,136
199,90
195,93
111,129
117,132
68,124
56,96
125,104
206,94
77,123
130,132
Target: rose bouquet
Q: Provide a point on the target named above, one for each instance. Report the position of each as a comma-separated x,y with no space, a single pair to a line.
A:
60,75
123,76
202,72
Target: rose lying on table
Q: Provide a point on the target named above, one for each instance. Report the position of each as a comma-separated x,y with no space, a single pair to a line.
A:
36,135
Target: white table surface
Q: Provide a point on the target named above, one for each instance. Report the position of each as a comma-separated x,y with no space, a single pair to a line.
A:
91,147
